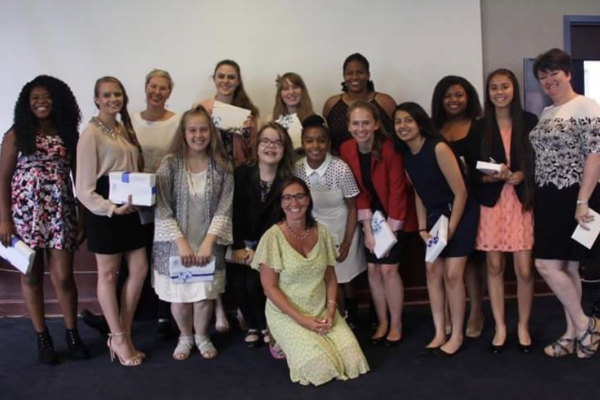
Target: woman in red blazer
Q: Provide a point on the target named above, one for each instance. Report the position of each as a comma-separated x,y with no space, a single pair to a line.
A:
380,175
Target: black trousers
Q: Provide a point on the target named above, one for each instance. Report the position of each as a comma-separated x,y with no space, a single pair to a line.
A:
244,282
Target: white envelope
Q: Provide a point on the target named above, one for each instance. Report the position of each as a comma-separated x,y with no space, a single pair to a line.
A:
438,240
226,116
196,273
336,243
18,254
294,128
587,238
487,168
384,235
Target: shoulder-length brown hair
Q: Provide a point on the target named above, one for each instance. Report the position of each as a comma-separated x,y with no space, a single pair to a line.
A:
215,148
240,97
286,165
380,134
305,107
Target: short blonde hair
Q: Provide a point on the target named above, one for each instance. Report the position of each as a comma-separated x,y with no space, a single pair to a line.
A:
162,74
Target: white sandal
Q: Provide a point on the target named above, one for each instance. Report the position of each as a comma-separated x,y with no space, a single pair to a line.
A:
205,346
184,348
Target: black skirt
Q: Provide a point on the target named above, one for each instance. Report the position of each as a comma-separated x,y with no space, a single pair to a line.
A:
116,234
395,253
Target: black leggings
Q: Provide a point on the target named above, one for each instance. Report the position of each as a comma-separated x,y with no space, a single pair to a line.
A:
249,294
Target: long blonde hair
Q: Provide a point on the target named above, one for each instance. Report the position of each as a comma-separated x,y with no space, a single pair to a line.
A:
215,148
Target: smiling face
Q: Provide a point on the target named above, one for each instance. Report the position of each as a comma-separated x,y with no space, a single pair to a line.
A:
197,133
356,76
158,90
555,84
294,202
315,143
110,98
270,147
226,80
291,94
501,91
455,101
406,127
40,103
362,126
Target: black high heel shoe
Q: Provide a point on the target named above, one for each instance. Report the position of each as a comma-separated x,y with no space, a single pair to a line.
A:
377,341
497,349
77,349
97,322
46,353
526,348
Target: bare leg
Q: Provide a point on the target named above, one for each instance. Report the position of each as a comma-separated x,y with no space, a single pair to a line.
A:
32,288
523,271
137,267
454,269
203,310
378,294
183,313
437,301
474,284
61,273
222,323
394,294
495,276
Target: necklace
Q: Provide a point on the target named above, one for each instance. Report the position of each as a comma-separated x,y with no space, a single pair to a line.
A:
294,234
189,178
112,132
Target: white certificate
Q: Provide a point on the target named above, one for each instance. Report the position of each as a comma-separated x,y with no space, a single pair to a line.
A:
384,235
196,273
226,116
587,238
488,168
438,240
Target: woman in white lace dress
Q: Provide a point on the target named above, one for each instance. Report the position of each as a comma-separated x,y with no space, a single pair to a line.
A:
193,221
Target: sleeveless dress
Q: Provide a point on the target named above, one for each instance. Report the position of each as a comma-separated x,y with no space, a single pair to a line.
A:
505,227
337,120
312,358
437,197
43,204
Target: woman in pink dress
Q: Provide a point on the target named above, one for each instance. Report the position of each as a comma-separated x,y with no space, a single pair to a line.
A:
506,198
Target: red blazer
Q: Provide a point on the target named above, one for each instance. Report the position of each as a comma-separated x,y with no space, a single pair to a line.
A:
391,184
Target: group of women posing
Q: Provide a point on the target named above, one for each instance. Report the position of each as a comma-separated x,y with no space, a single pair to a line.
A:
297,225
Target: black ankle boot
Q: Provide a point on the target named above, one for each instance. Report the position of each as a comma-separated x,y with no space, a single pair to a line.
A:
77,349
46,354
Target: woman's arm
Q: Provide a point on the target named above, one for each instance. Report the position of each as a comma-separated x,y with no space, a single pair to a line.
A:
220,225
8,162
351,220
421,217
331,287
451,171
588,184
398,190
387,103
329,105
270,283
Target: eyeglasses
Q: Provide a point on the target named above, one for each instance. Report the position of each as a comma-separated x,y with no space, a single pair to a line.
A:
278,144
298,196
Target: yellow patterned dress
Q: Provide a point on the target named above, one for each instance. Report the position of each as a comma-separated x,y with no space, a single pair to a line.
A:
312,358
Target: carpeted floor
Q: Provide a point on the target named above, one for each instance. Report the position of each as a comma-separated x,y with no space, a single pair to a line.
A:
241,373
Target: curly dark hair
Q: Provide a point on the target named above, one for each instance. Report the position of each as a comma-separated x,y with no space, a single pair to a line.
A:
65,116
438,114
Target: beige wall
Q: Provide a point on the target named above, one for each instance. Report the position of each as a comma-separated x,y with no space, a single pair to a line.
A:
517,29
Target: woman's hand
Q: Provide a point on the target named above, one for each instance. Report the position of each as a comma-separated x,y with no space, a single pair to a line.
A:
248,122
316,325
515,178
370,241
126,208
582,216
188,258
425,236
344,248
204,254
7,231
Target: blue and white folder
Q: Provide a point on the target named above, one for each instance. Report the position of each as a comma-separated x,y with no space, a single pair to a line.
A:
438,240
18,254
385,238
139,185
196,273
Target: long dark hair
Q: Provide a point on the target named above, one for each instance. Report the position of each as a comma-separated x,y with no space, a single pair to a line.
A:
309,219
518,135
130,135
426,126
65,116
240,98
438,114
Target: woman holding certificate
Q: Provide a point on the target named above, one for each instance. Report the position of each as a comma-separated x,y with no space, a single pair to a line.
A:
37,204
506,198
440,190
379,173
193,221
113,231
566,142
237,141
255,205
296,259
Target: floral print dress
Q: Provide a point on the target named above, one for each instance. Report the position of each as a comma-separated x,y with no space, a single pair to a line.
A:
43,204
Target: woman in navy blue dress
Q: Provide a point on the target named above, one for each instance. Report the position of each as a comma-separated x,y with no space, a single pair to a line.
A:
440,189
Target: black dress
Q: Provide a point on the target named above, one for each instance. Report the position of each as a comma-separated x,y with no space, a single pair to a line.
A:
437,197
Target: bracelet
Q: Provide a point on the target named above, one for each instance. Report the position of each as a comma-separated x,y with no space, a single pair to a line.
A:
332,302
422,230
581,202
